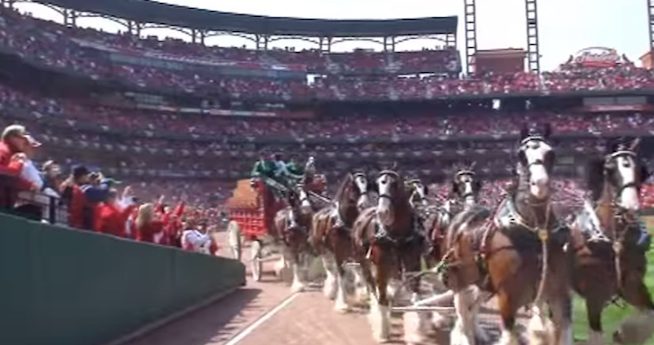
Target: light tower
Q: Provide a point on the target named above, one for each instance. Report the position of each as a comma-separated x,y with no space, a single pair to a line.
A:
533,50
470,23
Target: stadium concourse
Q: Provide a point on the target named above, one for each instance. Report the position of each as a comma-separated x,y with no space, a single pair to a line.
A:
145,139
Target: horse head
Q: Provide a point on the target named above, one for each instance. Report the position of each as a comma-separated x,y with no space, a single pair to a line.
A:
620,172
354,190
466,186
392,195
536,161
305,203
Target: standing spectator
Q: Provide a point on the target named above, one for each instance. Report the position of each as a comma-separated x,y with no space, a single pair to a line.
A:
73,197
197,240
51,174
81,196
30,204
111,214
148,226
14,142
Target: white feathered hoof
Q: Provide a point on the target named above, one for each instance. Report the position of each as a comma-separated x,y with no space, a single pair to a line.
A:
416,327
379,319
341,308
636,329
540,330
329,287
280,268
458,335
297,286
361,296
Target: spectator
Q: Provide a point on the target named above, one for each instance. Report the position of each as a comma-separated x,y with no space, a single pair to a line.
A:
74,197
52,177
148,226
197,240
112,214
15,142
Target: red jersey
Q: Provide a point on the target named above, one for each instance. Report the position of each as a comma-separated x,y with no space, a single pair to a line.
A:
12,169
111,220
76,208
147,232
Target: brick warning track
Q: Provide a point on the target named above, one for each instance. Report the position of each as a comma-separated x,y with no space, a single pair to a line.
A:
308,318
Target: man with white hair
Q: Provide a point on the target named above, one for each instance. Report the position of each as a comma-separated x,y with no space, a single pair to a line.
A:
15,165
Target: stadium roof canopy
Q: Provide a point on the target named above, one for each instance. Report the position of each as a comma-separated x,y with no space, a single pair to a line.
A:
154,12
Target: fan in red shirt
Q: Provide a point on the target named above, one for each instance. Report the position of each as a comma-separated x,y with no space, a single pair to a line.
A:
73,194
111,217
173,225
148,225
15,141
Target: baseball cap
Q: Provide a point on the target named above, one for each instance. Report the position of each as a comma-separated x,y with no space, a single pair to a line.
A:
19,131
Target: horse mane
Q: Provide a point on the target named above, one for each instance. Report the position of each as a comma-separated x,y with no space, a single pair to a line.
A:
343,186
595,177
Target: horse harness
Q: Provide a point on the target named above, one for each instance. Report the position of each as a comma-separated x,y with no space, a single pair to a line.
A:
383,236
624,220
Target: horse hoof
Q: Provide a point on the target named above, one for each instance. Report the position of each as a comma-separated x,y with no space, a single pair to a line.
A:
342,309
298,288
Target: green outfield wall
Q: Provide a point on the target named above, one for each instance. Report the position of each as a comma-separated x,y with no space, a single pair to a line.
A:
70,287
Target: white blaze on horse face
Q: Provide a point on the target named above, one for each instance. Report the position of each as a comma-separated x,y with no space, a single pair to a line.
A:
628,198
468,193
362,184
419,189
305,205
535,152
384,211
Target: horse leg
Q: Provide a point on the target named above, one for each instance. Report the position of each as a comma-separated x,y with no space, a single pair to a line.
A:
341,305
360,287
416,324
636,329
561,307
463,332
281,265
298,284
507,312
329,287
594,313
379,310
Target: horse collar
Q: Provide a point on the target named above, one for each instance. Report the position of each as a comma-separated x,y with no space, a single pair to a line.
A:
512,218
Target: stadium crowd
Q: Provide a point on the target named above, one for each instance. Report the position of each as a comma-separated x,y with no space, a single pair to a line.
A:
192,68
73,145
356,125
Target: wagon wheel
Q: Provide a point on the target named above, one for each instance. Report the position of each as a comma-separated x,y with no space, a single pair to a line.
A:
257,265
235,244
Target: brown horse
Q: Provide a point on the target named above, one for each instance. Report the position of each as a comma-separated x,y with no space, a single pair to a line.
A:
517,254
386,245
464,193
292,225
609,244
331,234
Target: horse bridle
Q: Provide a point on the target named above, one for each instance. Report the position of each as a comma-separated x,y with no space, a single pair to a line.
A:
391,173
634,184
468,173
